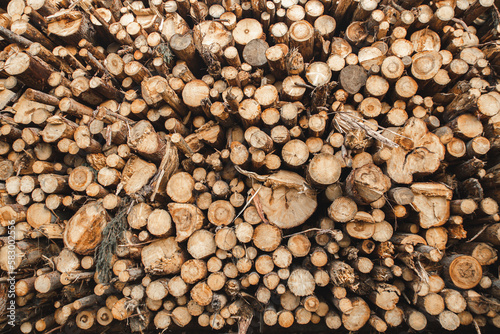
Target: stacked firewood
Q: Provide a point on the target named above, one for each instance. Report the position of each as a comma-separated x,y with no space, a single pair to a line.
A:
231,164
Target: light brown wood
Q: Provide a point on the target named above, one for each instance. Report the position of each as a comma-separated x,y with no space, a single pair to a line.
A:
94,217
152,259
343,209
460,278
358,316
247,30
29,70
260,148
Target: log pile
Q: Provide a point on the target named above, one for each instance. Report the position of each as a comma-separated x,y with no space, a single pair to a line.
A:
238,164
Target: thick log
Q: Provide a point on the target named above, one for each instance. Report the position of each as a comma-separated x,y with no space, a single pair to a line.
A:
93,218
163,257
462,271
71,26
25,254
29,70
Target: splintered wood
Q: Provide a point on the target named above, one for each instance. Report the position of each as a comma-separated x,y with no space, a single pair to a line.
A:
239,165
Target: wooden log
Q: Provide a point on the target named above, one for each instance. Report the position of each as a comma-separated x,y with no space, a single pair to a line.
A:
41,97
360,312
25,254
352,78
343,209
464,279
301,282
95,218
187,218
454,301
247,30
71,26
194,93
23,28
367,192
29,70
169,262
48,282
234,123
14,38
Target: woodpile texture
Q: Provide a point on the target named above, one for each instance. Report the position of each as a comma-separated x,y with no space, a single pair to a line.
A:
239,165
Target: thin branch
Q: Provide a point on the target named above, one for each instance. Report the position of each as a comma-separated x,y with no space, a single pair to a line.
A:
478,233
